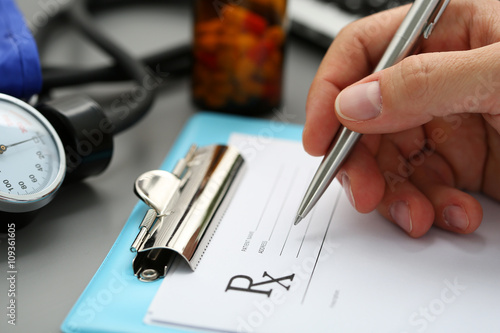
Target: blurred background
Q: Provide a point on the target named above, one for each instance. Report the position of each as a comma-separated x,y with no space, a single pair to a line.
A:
58,253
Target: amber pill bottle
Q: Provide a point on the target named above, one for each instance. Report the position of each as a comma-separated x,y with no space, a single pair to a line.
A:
238,49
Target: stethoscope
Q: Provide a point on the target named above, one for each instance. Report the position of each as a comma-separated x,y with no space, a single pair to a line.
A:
71,138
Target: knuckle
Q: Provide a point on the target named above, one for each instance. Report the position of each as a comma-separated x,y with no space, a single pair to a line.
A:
350,41
414,75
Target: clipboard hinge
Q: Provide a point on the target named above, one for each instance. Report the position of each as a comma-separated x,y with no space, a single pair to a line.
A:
185,206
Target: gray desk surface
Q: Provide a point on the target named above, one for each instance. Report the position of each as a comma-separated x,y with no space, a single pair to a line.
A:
58,254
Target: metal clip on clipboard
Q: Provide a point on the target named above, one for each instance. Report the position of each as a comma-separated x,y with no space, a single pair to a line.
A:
186,207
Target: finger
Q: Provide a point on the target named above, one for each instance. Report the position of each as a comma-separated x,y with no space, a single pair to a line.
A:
494,119
359,46
491,182
422,87
361,179
321,122
435,176
454,210
349,58
462,141
403,203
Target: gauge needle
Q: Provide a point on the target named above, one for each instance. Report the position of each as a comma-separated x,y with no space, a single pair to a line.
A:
3,148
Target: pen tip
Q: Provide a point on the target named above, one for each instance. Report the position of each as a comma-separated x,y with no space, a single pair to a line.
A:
297,220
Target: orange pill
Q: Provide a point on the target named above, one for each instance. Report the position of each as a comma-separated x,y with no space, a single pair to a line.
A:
254,23
261,51
213,26
276,34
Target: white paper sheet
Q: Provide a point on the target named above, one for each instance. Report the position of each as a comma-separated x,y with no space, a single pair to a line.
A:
337,271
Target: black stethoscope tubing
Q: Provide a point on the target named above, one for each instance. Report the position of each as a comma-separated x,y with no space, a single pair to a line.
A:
175,61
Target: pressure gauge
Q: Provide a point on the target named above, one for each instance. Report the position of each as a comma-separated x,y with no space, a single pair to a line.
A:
32,158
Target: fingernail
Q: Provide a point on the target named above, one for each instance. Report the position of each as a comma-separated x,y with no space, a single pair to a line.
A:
359,102
346,184
455,217
400,213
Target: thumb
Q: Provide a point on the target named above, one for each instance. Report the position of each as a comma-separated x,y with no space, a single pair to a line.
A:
424,86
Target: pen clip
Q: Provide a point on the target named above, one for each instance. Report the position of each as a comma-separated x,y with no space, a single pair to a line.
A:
435,18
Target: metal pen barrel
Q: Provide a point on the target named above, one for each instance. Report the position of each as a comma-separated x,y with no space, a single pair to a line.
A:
340,148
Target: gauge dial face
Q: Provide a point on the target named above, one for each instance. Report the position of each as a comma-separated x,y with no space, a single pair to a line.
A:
32,160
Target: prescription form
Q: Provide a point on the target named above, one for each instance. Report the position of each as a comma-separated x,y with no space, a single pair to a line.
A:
338,270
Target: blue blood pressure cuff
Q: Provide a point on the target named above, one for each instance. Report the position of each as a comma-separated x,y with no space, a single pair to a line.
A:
20,72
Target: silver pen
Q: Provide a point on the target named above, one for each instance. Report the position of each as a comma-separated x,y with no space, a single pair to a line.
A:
419,22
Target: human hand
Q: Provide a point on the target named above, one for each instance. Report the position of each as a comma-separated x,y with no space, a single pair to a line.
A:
431,122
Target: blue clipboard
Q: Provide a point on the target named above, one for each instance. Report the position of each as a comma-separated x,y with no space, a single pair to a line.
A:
115,300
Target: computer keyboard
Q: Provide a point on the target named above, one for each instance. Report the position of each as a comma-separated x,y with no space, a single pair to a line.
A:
366,7
319,21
